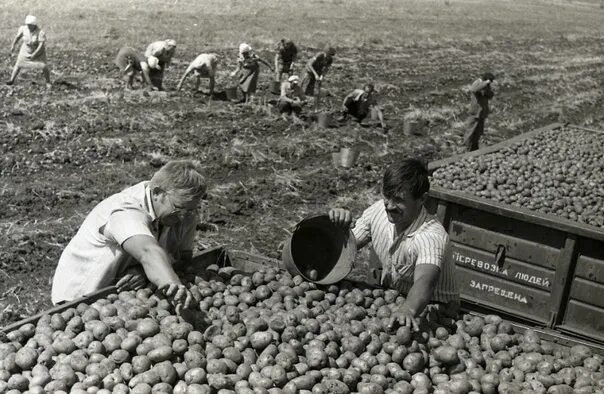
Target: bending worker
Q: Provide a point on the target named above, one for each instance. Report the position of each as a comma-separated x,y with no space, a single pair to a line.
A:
131,62
204,66
361,102
408,244
317,68
479,110
163,51
292,98
136,235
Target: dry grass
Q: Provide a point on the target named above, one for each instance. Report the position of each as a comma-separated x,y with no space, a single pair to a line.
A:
219,23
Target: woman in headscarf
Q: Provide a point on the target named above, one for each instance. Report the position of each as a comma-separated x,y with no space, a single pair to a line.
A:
285,58
33,50
131,62
292,99
248,70
163,51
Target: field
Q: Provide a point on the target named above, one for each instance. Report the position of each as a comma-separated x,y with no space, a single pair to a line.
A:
65,150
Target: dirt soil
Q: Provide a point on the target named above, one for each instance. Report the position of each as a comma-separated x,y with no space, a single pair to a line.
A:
64,151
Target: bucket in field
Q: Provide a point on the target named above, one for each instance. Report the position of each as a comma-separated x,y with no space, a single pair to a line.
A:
323,119
348,157
336,158
412,127
275,87
320,251
231,93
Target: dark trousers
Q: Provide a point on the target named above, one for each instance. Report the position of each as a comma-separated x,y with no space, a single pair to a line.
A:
353,108
286,107
309,90
475,130
157,78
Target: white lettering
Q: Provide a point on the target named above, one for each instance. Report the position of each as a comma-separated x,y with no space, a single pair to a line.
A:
498,291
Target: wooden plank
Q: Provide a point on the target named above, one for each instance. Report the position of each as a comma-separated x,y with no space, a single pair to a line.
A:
88,299
589,292
522,214
492,148
590,268
239,257
216,255
512,270
584,319
565,264
527,244
586,129
531,304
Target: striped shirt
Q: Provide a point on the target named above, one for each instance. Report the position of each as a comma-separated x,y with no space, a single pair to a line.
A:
423,242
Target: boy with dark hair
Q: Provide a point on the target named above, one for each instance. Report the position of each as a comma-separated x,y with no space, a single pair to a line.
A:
407,243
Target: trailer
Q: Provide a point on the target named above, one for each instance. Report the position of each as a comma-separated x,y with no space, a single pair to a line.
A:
541,270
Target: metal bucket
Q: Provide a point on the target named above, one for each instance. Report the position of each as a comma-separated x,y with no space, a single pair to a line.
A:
231,93
319,251
323,119
348,157
412,127
275,87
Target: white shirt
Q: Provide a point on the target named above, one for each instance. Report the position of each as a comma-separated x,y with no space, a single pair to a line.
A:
94,256
423,242
204,64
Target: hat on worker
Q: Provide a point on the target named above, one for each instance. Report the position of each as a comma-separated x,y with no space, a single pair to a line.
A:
243,48
294,78
171,43
31,20
153,62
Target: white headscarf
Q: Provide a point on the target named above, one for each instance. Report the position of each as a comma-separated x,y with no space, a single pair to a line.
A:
244,48
153,62
31,20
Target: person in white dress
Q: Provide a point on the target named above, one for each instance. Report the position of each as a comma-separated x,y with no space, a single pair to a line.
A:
32,54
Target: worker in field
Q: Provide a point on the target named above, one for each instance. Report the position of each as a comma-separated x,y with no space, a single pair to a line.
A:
130,62
163,51
316,69
248,69
136,236
204,66
360,103
285,58
481,92
292,99
32,54
408,244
